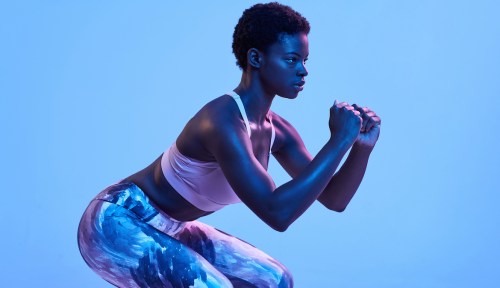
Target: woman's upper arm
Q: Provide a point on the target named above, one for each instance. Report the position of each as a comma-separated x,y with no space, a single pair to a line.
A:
232,149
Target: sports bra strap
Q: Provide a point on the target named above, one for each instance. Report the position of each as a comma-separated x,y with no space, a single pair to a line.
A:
273,133
237,98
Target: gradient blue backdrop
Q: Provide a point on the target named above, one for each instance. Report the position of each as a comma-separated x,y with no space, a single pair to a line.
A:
92,91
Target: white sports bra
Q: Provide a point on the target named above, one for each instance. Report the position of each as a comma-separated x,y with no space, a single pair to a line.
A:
202,183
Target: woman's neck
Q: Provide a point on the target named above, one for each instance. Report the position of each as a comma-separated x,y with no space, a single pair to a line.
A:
256,100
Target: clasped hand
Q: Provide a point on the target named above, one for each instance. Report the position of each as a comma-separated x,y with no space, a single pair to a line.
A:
355,120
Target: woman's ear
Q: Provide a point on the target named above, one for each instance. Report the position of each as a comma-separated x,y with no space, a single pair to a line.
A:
254,58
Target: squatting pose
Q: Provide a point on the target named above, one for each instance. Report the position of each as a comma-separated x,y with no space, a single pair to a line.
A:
144,231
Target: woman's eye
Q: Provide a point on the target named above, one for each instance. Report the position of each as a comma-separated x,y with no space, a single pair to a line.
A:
290,60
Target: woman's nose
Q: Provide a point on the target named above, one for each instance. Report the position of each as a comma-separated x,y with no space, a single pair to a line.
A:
302,71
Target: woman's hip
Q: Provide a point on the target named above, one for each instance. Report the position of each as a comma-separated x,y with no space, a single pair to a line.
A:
128,198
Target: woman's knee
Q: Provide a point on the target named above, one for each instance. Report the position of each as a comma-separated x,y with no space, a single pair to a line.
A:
282,275
244,264
270,278
286,278
262,273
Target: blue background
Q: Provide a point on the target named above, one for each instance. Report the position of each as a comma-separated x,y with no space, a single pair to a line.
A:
92,91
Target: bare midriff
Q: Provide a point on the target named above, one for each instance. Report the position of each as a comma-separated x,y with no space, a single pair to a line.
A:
153,183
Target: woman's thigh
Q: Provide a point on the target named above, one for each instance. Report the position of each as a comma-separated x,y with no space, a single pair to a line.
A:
127,252
242,263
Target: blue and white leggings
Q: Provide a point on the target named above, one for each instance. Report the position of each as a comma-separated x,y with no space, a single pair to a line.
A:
130,243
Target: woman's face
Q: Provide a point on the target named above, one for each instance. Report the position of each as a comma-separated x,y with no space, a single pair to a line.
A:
283,67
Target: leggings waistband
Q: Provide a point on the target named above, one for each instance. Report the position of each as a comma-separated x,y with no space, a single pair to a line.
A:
131,197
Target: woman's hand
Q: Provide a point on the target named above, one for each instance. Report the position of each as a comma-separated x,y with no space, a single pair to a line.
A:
370,128
345,121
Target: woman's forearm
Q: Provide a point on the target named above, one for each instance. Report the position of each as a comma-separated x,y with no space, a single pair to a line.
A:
344,184
291,199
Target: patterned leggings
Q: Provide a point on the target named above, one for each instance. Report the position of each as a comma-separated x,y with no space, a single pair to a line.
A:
130,243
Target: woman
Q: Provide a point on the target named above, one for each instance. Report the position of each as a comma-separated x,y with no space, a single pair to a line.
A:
143,231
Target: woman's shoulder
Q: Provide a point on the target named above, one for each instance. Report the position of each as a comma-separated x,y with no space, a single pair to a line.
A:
216,116
211,120
285,131
216,108
281,124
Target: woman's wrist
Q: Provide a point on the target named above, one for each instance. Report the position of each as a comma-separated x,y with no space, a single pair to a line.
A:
342,143
362,148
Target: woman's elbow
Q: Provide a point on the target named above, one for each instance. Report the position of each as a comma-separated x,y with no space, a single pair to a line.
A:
336,208
339,209
275,224
332,204
280,228
277,221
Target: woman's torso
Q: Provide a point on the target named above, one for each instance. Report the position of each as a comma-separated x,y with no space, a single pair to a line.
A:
189,143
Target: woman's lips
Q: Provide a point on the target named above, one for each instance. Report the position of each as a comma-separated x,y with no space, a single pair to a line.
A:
299,85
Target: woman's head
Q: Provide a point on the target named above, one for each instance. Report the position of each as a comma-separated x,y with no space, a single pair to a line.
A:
262,25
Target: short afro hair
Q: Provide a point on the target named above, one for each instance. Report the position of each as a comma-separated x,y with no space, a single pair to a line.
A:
261,25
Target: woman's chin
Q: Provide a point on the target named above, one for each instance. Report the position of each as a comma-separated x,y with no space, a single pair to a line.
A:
289,94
